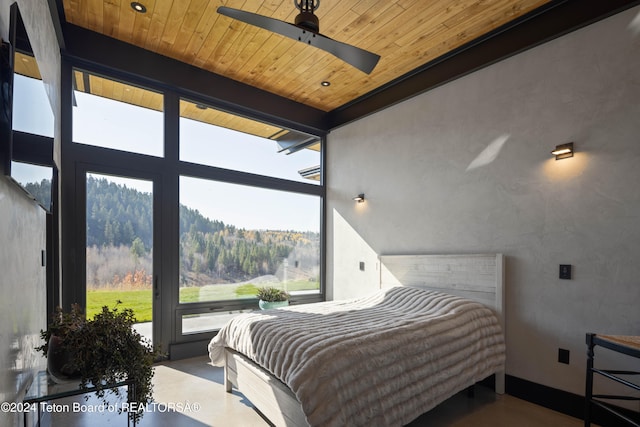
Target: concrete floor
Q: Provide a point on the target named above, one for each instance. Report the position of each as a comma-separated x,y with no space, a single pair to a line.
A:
190,393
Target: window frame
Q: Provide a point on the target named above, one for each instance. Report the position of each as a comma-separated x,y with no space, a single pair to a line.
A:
167,169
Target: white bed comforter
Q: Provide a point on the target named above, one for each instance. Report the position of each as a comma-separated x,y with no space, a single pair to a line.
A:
381,360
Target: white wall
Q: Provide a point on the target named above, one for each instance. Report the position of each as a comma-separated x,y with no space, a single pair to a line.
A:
413,161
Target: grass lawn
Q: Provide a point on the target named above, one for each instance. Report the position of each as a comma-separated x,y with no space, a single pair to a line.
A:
140,300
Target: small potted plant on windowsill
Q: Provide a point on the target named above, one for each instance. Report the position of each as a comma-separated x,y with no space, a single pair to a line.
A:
271,297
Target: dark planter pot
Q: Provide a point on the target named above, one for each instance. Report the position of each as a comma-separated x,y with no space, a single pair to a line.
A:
58,361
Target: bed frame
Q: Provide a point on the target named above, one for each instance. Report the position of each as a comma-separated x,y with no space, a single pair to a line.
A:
479,277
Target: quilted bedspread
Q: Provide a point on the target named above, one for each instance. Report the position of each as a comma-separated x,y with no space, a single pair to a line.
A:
381,360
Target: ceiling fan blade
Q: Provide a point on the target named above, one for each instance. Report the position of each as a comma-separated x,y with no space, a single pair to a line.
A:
271,24
362,59
359,58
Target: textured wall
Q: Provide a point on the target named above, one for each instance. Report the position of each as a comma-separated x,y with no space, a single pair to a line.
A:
23,283
467,168
22,231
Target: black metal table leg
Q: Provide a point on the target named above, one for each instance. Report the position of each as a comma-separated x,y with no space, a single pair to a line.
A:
589,381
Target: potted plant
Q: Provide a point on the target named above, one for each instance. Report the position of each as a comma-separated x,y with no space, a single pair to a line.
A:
101,351
271,297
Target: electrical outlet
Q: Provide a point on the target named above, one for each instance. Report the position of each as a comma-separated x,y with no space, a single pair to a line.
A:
565,271
563,356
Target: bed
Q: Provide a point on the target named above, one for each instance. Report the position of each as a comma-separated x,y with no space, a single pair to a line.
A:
433,329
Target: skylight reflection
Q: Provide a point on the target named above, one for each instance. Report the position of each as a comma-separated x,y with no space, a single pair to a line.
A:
490,153
634,25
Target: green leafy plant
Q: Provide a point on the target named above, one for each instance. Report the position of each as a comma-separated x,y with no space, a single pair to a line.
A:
271,294
104,350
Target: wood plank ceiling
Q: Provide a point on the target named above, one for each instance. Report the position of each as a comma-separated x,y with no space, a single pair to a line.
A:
405,33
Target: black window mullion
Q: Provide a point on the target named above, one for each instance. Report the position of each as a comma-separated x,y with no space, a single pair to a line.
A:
169,224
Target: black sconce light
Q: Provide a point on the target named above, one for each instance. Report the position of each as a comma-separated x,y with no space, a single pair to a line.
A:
563,151
359,198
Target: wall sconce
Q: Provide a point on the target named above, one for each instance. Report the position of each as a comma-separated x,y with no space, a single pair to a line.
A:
563,151
359,198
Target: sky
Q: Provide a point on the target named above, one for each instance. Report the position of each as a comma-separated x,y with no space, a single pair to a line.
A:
102,122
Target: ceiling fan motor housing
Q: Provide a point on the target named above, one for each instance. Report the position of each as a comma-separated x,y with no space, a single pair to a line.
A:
306,18
308,21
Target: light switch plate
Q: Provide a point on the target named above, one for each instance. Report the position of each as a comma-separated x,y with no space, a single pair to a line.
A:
565,271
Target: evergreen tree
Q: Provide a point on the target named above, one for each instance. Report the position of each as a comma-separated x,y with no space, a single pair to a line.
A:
118,216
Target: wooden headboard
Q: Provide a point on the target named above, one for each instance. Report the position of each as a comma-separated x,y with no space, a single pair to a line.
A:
479,277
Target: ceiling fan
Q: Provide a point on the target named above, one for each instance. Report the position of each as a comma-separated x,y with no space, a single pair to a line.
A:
307,30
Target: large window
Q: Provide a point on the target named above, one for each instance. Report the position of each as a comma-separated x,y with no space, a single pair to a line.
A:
111,114
235,239
193,221
35,179
212,137
32,114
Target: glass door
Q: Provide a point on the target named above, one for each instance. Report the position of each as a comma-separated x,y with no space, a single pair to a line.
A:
120,247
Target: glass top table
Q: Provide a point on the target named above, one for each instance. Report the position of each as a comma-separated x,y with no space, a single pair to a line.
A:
45,388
